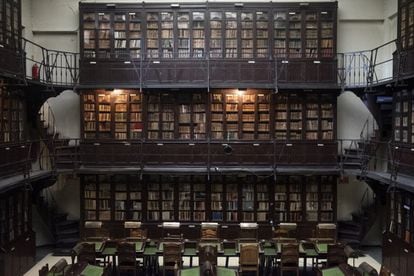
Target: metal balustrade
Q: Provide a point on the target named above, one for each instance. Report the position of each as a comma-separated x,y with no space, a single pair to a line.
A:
360,69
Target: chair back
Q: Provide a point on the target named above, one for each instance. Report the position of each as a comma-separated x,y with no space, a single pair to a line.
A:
126,253
367,270
208,253
172,254
44,270
384,271
249,255
59,267
207,269
290,255
336,255
87,253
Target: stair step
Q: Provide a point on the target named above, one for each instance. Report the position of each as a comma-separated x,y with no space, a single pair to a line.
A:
352,242
60,217
66,242
67,224
349,232
349,225
68,231
62,251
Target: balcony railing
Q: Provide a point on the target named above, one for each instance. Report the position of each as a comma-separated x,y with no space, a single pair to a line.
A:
59,68
369,67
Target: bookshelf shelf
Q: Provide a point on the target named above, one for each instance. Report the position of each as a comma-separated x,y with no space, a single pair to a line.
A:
232,34
112,115
193,198
404,117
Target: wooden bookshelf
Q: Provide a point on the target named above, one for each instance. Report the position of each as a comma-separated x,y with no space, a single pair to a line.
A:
248,200
225,114
167,34
250,38
312,199
403,117
217,200
406,23
17,239
113,114
216,34
310,117
192,198
11,117
262,34
116,198
198,41
108,34
240,115
263,200
10,23
247,28
231,196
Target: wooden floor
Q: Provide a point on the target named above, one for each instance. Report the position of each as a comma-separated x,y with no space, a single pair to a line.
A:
369,258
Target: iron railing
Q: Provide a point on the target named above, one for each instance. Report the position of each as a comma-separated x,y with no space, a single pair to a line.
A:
364,69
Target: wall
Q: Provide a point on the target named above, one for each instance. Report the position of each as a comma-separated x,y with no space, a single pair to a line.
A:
66,111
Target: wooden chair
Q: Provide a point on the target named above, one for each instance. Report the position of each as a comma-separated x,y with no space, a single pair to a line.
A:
249,258
87,253
207,253
289,258
44,270
172,257
127,259
335,255
384,271
60,267
366,269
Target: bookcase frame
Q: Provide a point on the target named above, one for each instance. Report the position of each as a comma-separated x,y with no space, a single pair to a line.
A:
237,200
222,115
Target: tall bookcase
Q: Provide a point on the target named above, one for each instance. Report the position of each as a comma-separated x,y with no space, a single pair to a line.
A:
11,117
16,236
223,114
10,23
224,31
240,115
404,117
112,198
194,198
406,23
108,34
115,114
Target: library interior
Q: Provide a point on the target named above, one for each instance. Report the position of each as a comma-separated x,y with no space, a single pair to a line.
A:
206,137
